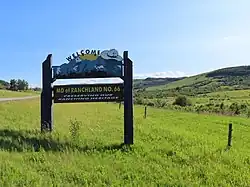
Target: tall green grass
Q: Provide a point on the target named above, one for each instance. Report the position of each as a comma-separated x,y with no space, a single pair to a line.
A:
171,148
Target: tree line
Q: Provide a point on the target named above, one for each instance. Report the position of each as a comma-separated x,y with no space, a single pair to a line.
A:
16,85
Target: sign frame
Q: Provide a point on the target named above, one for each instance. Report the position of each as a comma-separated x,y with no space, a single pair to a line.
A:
47,96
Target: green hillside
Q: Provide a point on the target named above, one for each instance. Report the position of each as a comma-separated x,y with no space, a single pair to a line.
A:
151,82
183,82
231,78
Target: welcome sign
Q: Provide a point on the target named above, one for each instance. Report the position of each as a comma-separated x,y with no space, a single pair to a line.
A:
90,64
88,93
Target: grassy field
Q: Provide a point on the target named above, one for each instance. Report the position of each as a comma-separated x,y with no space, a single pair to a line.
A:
184,82
171,148
7,93
227,97
244,94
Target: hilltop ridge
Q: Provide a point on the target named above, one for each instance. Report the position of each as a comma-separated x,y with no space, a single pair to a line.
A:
229,78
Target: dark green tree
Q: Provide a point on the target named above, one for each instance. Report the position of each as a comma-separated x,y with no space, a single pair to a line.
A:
182,101
22,84
13,85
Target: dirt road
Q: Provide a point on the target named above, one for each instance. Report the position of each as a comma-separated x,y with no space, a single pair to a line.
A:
17,98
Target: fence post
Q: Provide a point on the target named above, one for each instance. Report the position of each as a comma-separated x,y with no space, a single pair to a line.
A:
230,129
145,112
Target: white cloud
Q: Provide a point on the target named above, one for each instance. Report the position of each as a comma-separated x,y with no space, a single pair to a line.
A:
161,74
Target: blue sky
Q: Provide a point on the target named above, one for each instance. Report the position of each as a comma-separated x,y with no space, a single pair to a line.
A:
164,38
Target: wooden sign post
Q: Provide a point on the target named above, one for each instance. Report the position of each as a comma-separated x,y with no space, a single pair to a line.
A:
89,64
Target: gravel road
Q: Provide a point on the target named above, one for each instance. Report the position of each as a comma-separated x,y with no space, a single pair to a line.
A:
17,98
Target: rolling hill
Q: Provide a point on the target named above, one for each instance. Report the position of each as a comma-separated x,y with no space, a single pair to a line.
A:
151,82
231,78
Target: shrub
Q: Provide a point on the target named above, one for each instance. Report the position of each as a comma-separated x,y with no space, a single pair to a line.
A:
160,103
138,100
234,107
248,113
222,106
75,130
182,101
150,103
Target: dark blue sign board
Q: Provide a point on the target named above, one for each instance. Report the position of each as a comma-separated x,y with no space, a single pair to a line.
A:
89,64
94,64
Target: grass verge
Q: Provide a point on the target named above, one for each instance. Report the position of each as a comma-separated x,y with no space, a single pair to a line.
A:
9,94
171,148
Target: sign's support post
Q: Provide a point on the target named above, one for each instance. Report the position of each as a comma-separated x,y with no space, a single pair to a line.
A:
46,95
128,100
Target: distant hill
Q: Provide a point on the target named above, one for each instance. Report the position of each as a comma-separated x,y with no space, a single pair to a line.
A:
151,82
230,78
